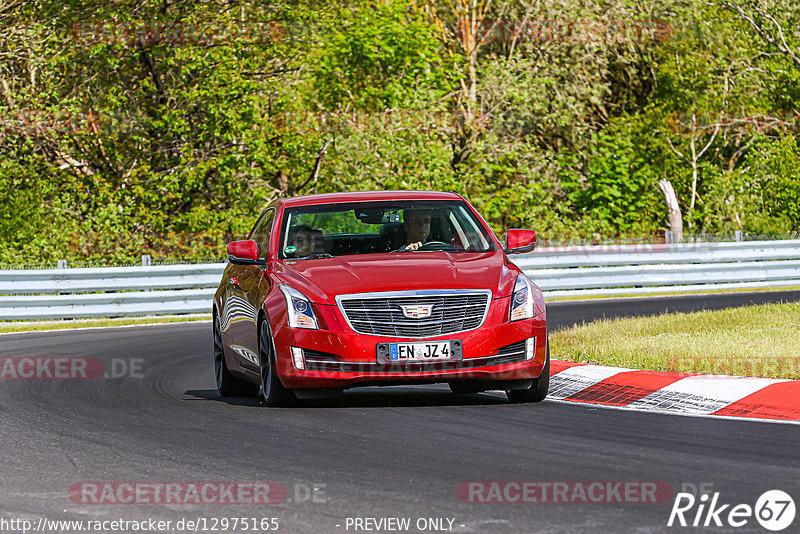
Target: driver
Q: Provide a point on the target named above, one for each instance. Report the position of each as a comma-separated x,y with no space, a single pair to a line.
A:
417,224
304,240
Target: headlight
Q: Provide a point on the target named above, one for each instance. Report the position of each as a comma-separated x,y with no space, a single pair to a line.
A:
301,314
522,299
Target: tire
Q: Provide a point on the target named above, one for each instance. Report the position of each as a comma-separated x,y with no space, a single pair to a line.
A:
273,392
227,384
538,390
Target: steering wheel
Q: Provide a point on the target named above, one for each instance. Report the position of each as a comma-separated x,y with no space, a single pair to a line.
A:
434,244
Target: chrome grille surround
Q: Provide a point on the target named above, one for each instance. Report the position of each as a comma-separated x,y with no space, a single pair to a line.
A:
380,313
322,361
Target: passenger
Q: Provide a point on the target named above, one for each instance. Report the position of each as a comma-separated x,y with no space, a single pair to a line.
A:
319,241
303,239
417,224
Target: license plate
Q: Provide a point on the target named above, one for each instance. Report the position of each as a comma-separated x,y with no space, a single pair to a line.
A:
427,351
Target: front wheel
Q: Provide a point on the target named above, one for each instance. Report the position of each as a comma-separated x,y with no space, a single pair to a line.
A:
273,392
227,384
538,390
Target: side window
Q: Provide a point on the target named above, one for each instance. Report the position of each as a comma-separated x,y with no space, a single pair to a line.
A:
260,233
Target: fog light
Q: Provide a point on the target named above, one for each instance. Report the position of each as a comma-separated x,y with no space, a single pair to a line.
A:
530,347
298,358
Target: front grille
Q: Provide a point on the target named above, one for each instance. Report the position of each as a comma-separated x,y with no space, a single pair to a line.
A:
513,353
383,316
321,361
513,349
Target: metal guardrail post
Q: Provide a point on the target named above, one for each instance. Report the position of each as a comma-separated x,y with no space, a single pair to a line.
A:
62,264
739,235
146,263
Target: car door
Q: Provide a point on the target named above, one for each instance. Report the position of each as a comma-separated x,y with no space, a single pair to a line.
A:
243,298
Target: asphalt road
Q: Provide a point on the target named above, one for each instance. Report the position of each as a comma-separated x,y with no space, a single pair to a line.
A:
377,453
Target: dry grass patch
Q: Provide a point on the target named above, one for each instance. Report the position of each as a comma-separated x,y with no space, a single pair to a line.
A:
750,341
34,326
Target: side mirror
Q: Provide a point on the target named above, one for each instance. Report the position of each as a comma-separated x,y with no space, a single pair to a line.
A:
519,241
244,253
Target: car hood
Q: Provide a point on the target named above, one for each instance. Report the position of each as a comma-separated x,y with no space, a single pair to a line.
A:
323,279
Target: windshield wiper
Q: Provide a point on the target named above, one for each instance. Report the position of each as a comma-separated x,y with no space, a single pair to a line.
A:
456,250
321,255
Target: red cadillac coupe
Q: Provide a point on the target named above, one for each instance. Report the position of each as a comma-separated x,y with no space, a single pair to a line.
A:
341,290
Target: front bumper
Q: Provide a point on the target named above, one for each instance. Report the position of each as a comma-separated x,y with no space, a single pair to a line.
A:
337,357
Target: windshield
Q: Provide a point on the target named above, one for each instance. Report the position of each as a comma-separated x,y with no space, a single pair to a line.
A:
381,227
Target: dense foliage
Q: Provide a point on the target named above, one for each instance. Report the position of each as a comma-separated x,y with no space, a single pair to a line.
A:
164,126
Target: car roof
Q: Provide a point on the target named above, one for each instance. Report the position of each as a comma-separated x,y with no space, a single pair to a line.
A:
360,196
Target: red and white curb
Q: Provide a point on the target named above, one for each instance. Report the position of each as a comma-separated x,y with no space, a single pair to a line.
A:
681,393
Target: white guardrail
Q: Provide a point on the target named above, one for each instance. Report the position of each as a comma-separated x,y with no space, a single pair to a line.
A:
559,272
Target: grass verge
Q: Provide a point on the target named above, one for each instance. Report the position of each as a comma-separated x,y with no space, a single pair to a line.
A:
761,341
26,326
673,293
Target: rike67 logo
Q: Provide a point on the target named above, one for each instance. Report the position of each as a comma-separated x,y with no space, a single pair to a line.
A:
774,510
